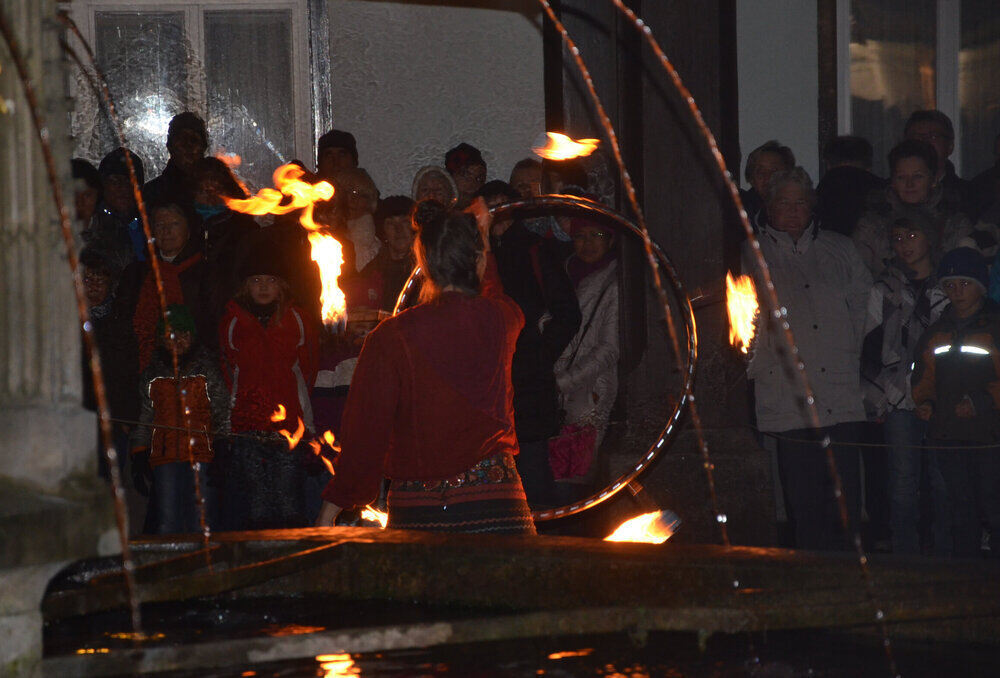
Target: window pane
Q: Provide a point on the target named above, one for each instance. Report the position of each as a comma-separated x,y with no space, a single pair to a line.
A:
979,84
248,73
892,68
145,60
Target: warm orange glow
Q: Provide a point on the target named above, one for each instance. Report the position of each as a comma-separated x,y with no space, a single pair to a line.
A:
317,448
741,300
375,515
572,653
561,147
648,528
327,253
279,414
232,160
294,438
337,665
329,438
326,250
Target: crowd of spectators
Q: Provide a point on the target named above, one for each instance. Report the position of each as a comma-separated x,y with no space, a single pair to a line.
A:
241,355
886,287
889,287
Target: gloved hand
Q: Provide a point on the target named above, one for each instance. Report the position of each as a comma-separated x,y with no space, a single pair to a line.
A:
142,474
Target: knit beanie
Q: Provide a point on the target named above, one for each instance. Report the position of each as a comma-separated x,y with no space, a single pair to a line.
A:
114,164
180,318
336,138
965,263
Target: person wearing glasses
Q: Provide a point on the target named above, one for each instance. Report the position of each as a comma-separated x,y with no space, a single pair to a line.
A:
935,128
914,186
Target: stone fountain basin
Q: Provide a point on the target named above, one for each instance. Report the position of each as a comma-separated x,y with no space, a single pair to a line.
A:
369,590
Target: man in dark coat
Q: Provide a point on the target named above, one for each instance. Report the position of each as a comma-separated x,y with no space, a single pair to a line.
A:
187,142
843,193
533,277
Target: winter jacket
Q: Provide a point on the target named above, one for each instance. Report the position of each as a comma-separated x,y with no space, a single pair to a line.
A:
119,239
431,395
185,281
985,190
119,354
823,285
842,196
587,371
173,185
899,311
958,359
268,365
227,238
162,408
532,276
387,276
871,235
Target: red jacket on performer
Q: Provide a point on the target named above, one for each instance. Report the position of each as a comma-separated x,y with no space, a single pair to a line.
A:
268,365
431,394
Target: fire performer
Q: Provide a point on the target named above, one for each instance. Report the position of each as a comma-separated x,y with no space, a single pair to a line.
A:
430,404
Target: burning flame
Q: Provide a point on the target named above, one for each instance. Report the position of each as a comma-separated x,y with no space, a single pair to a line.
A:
294,438
741,300
587,651
561,147
326,250
330,440
337,665
232,160
648,528
279,414
317,448
375,515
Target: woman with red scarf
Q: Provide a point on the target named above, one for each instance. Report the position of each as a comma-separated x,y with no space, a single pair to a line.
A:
430,405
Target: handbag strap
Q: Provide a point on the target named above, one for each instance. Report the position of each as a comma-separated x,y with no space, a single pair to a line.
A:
590,320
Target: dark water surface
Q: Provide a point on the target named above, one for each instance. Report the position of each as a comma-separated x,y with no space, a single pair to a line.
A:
656,654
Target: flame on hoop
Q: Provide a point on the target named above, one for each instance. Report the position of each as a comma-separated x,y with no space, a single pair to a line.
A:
561,147
376,516
649,528
279,414
741,301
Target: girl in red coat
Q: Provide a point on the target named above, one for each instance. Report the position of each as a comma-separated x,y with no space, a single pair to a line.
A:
269,353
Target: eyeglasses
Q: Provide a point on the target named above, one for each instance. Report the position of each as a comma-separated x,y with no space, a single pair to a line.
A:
953,285
590,235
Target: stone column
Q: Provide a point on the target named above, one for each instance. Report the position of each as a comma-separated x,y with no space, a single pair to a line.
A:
53,508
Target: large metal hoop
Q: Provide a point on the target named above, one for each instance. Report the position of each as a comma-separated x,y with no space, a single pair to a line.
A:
548,203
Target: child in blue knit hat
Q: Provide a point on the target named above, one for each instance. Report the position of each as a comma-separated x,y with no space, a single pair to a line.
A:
956,388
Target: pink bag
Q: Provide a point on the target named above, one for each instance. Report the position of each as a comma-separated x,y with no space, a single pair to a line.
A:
572,451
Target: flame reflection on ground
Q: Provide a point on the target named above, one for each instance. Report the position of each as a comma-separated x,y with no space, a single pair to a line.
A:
337,665
649,528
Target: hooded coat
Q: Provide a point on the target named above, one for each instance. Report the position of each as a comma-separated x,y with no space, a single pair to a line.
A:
824,285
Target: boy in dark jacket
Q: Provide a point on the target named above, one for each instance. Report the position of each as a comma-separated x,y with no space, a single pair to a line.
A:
956,388
180,420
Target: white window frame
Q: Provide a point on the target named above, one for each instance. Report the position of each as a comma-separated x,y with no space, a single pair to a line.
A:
306,120
947,47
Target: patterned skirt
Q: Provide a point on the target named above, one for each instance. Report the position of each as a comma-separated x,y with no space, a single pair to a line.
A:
488,498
